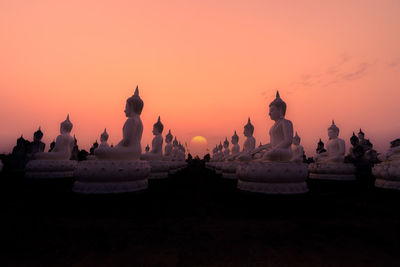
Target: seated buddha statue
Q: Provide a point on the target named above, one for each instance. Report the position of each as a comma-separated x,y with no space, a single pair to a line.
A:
249,144
320,147
226,148
276,171
235,144
297,149
37,145
168,145
156,144
281,134
104,140
63,146
129,147
335,147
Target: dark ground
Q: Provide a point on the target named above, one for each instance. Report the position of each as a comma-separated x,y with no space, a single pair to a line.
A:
195,218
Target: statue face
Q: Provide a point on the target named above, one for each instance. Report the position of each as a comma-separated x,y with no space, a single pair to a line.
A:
275,113
361,136
127,110
332,134
247,132
296,141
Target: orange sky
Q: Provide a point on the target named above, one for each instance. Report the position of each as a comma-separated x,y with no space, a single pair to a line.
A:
204,66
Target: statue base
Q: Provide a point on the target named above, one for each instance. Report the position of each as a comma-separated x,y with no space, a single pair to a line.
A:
272,177
229,169
176,166
159,169
387,175
332,171
111,176
50,169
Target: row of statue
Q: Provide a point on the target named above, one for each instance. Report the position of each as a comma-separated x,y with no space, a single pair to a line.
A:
275,168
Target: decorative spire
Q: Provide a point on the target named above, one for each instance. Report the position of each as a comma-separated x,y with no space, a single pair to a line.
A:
104,136
361,132
277,94
136,91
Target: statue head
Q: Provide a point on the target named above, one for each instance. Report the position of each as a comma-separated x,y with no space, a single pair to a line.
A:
95,145
169,137
248,129
158,127
354,140
226,143
175,143
235,139
296,140
66,126
147,149
134,104
21,141
277,108
220,146
361,135
333,131
215,149
320,145
38,135
104,136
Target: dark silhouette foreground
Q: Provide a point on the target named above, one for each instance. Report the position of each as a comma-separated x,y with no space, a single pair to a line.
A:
197,218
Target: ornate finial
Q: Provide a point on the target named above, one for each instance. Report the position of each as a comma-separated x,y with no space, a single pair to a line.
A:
360,132
136,91
67,117
277,94
248,121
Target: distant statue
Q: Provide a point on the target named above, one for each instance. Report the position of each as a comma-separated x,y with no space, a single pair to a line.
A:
250,142
147,148
297,149
168,146
63,146
104,139
21,148
37,145
281,134
156,144
393,154
235,144
335,147
320,147
356,151
226,148
94,147
129,147
52,145
75,150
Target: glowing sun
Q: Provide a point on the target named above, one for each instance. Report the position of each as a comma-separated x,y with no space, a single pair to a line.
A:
198,145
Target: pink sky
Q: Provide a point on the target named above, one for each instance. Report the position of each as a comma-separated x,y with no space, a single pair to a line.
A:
203,66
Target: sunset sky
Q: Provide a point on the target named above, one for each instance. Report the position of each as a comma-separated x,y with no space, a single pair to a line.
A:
203,66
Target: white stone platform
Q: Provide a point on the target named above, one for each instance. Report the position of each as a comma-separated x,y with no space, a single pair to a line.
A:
273,177
332,171
111,176
387,175
50,169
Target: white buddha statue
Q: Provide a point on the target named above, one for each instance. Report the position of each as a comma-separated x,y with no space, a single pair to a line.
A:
103,140
281,134
249,144
235,144
63,146
297,149
57,163
156,144
226,148
129,148
168,146
117,169
335,147
274,172
387,172
330,165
